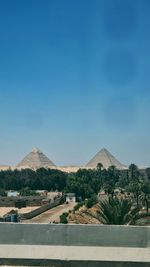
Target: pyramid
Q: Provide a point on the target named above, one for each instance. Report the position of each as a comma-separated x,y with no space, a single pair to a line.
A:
107,160
35,160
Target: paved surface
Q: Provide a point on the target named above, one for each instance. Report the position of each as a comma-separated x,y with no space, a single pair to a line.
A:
52,214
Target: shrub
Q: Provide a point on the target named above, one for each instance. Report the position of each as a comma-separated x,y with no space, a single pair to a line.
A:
2,193
63,218
78,206
91,201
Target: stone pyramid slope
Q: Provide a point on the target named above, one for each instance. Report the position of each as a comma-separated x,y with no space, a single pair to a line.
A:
35,160
107,160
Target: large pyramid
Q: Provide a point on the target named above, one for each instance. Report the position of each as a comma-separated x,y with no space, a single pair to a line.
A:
107,160
35,160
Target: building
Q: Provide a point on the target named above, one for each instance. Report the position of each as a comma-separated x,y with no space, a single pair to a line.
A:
70,197
13,193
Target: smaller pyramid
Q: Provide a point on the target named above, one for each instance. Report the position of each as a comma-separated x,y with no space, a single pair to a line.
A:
106,159
35,160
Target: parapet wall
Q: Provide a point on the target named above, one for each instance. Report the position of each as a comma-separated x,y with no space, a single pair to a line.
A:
74,245
74,235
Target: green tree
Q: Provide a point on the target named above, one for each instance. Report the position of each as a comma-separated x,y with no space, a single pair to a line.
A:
118,212
133,172
84,183
28,192
2,192
111,178
99,166
91,201
63,218
148,173
134,188
145,196
123,180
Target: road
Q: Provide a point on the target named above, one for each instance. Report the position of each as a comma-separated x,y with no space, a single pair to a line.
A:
52,215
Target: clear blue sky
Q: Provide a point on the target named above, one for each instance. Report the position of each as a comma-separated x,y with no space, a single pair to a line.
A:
75,77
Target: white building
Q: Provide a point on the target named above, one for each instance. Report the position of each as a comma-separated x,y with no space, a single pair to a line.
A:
70,197
13,193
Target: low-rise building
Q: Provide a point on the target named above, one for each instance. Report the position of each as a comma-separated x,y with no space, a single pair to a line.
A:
70,197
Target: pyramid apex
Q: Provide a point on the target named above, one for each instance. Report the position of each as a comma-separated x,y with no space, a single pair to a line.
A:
104,149
36,150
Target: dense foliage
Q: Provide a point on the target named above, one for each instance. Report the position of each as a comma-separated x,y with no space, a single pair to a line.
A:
118,211
133,183
42,179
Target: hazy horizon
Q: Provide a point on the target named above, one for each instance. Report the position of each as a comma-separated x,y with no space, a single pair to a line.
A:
74,78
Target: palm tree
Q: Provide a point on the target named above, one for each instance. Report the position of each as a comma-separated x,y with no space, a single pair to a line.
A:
133,172
118,211
145,195
148,173
99,166
135,189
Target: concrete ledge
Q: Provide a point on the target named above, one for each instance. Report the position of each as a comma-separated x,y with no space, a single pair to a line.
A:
74,253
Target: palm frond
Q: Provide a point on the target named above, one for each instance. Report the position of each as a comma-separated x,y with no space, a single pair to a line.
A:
118,211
